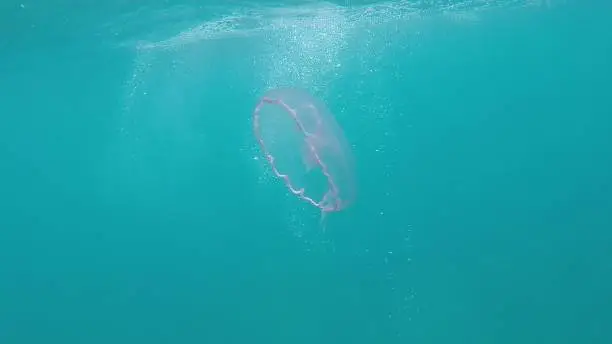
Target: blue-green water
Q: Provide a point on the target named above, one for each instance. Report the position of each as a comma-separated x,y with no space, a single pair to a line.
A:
135,206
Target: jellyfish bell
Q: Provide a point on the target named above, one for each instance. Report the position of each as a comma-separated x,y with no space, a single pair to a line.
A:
305,148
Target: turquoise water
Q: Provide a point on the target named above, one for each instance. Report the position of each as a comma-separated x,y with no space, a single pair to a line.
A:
135,206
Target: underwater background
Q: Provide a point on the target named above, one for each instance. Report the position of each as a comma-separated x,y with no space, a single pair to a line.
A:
135,206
